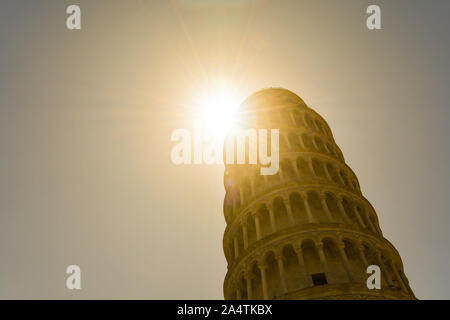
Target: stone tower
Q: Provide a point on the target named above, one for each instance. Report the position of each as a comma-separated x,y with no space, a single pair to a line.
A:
306,232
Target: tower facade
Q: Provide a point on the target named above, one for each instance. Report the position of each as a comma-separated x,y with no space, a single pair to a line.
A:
306,232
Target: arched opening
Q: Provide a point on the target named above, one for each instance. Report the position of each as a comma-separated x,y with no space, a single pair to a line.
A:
286,117
294,280
332,151
280,213
309,122
283,142
264,221
274,287
251,229
242,287
371,258
257,291
332,204
320,127
298,118
336,268
286,170
345,179
307,141
320,145
316,207
332,171
356,265
349,211
362,214
294,141
387,263
298,208
303,168
311,258
318,169
374,222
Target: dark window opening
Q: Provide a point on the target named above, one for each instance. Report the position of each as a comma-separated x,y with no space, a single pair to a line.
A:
319,279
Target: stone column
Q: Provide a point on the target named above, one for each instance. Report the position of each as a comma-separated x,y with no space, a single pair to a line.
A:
262,268
323,259
272,217
291,115
383,267
371,226
399,278
248,280
302,143
302,266
341,178
294,164
236,247
289,210
342,211
279,258
327,173
307,208
341,247
288,143
314,143
311,167
323,201
245,235
358,216
257,227
362,256
238,293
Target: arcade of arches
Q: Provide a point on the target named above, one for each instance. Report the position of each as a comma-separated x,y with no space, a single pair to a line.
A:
306,232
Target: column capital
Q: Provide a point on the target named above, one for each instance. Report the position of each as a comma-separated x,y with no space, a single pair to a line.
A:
319,245
298,246
248,275
378,251
261,265
279,256
359,245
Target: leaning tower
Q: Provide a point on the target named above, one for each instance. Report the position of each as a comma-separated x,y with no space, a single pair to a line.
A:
306,232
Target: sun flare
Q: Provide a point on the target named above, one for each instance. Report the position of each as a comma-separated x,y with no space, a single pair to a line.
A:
218,111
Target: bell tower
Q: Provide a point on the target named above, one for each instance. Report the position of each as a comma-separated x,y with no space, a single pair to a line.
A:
306,232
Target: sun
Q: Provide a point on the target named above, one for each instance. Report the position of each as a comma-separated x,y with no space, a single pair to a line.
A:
218,108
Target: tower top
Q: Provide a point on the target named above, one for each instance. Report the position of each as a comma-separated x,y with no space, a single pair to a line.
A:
271,96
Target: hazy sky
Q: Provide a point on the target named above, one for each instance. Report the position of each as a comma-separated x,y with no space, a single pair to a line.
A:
86,118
